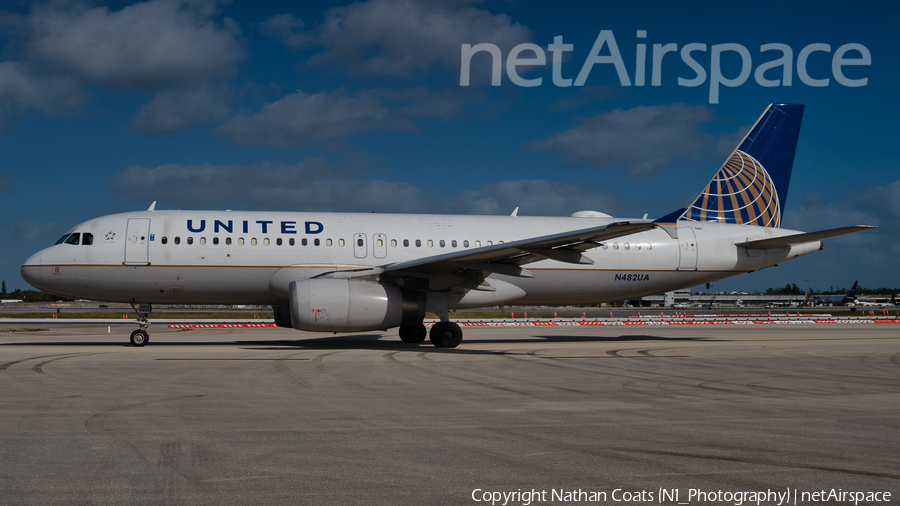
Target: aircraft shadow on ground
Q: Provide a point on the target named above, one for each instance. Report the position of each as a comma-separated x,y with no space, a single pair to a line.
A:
367,342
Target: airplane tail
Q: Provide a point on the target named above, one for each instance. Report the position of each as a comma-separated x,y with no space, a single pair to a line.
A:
852,293
751,186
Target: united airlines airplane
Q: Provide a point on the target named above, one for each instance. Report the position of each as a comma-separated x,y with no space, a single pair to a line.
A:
346,272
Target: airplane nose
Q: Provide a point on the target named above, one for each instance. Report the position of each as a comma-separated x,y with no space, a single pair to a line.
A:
31,271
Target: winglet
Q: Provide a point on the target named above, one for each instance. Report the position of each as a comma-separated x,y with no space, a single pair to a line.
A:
515,212
152,206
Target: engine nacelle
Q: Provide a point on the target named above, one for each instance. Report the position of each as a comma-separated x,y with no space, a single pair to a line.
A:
341,305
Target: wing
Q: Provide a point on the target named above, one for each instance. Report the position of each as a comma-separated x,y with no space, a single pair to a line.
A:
789,240
467,269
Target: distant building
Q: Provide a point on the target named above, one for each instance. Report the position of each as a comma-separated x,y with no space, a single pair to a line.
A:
9,301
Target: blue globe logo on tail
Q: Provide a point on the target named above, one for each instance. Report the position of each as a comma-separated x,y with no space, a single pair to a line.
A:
741,192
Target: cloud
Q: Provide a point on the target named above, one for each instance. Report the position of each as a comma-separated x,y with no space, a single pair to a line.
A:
315,185
644,140
584,95
398,38
534,197
287,29
21,89
143,46
300,119
172,110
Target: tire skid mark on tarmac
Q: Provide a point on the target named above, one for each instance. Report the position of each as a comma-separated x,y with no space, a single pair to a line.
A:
288,374
95,424
472,381
38,368
7,365
743,460
485,372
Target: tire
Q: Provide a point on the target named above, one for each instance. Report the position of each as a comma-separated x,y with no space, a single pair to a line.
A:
139,338
413,334
446,335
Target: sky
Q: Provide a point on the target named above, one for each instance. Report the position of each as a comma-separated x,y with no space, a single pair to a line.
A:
337,106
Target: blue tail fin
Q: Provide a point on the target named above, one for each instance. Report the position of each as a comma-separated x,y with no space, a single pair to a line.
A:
751,186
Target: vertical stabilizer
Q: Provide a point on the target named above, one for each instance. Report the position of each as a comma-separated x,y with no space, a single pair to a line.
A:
751,186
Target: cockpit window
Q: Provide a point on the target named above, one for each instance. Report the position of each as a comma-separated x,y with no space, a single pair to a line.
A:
73,239
62,239
87,239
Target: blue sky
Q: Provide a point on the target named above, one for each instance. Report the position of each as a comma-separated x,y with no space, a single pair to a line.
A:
330,106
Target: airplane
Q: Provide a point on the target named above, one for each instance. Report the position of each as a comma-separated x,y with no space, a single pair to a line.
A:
849,298
349,272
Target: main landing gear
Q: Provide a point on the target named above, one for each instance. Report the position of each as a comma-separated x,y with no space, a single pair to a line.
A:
443,334
140,336
413,334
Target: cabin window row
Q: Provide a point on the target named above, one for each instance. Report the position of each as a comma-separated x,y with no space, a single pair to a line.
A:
627,246
328,242
253,241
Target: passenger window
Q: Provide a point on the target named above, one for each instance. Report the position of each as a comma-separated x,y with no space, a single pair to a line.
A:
315,242
215,240
202,241
465,244
62,239
605,246
453,243
341,242
228,241
177,240
73,239
442,243
304,242
164,240
359,242
253,241
87,239
190,240
615,245
477,244
266,241
637,246
278,241
393,243
627,246
241,241
430,243
649,246
489,243
328,242
405,243
418,243
380,242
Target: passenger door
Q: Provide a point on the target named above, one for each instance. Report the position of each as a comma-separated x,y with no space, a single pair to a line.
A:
137,241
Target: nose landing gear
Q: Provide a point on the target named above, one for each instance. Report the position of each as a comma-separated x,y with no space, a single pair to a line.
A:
140,337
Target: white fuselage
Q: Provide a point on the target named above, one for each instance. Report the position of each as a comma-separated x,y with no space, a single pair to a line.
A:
224,257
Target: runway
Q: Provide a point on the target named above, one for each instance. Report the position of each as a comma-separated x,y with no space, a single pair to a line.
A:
239,416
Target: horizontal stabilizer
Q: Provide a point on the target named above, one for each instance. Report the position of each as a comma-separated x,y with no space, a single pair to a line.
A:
789,240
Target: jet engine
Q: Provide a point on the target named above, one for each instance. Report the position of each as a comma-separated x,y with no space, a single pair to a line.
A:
341,305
